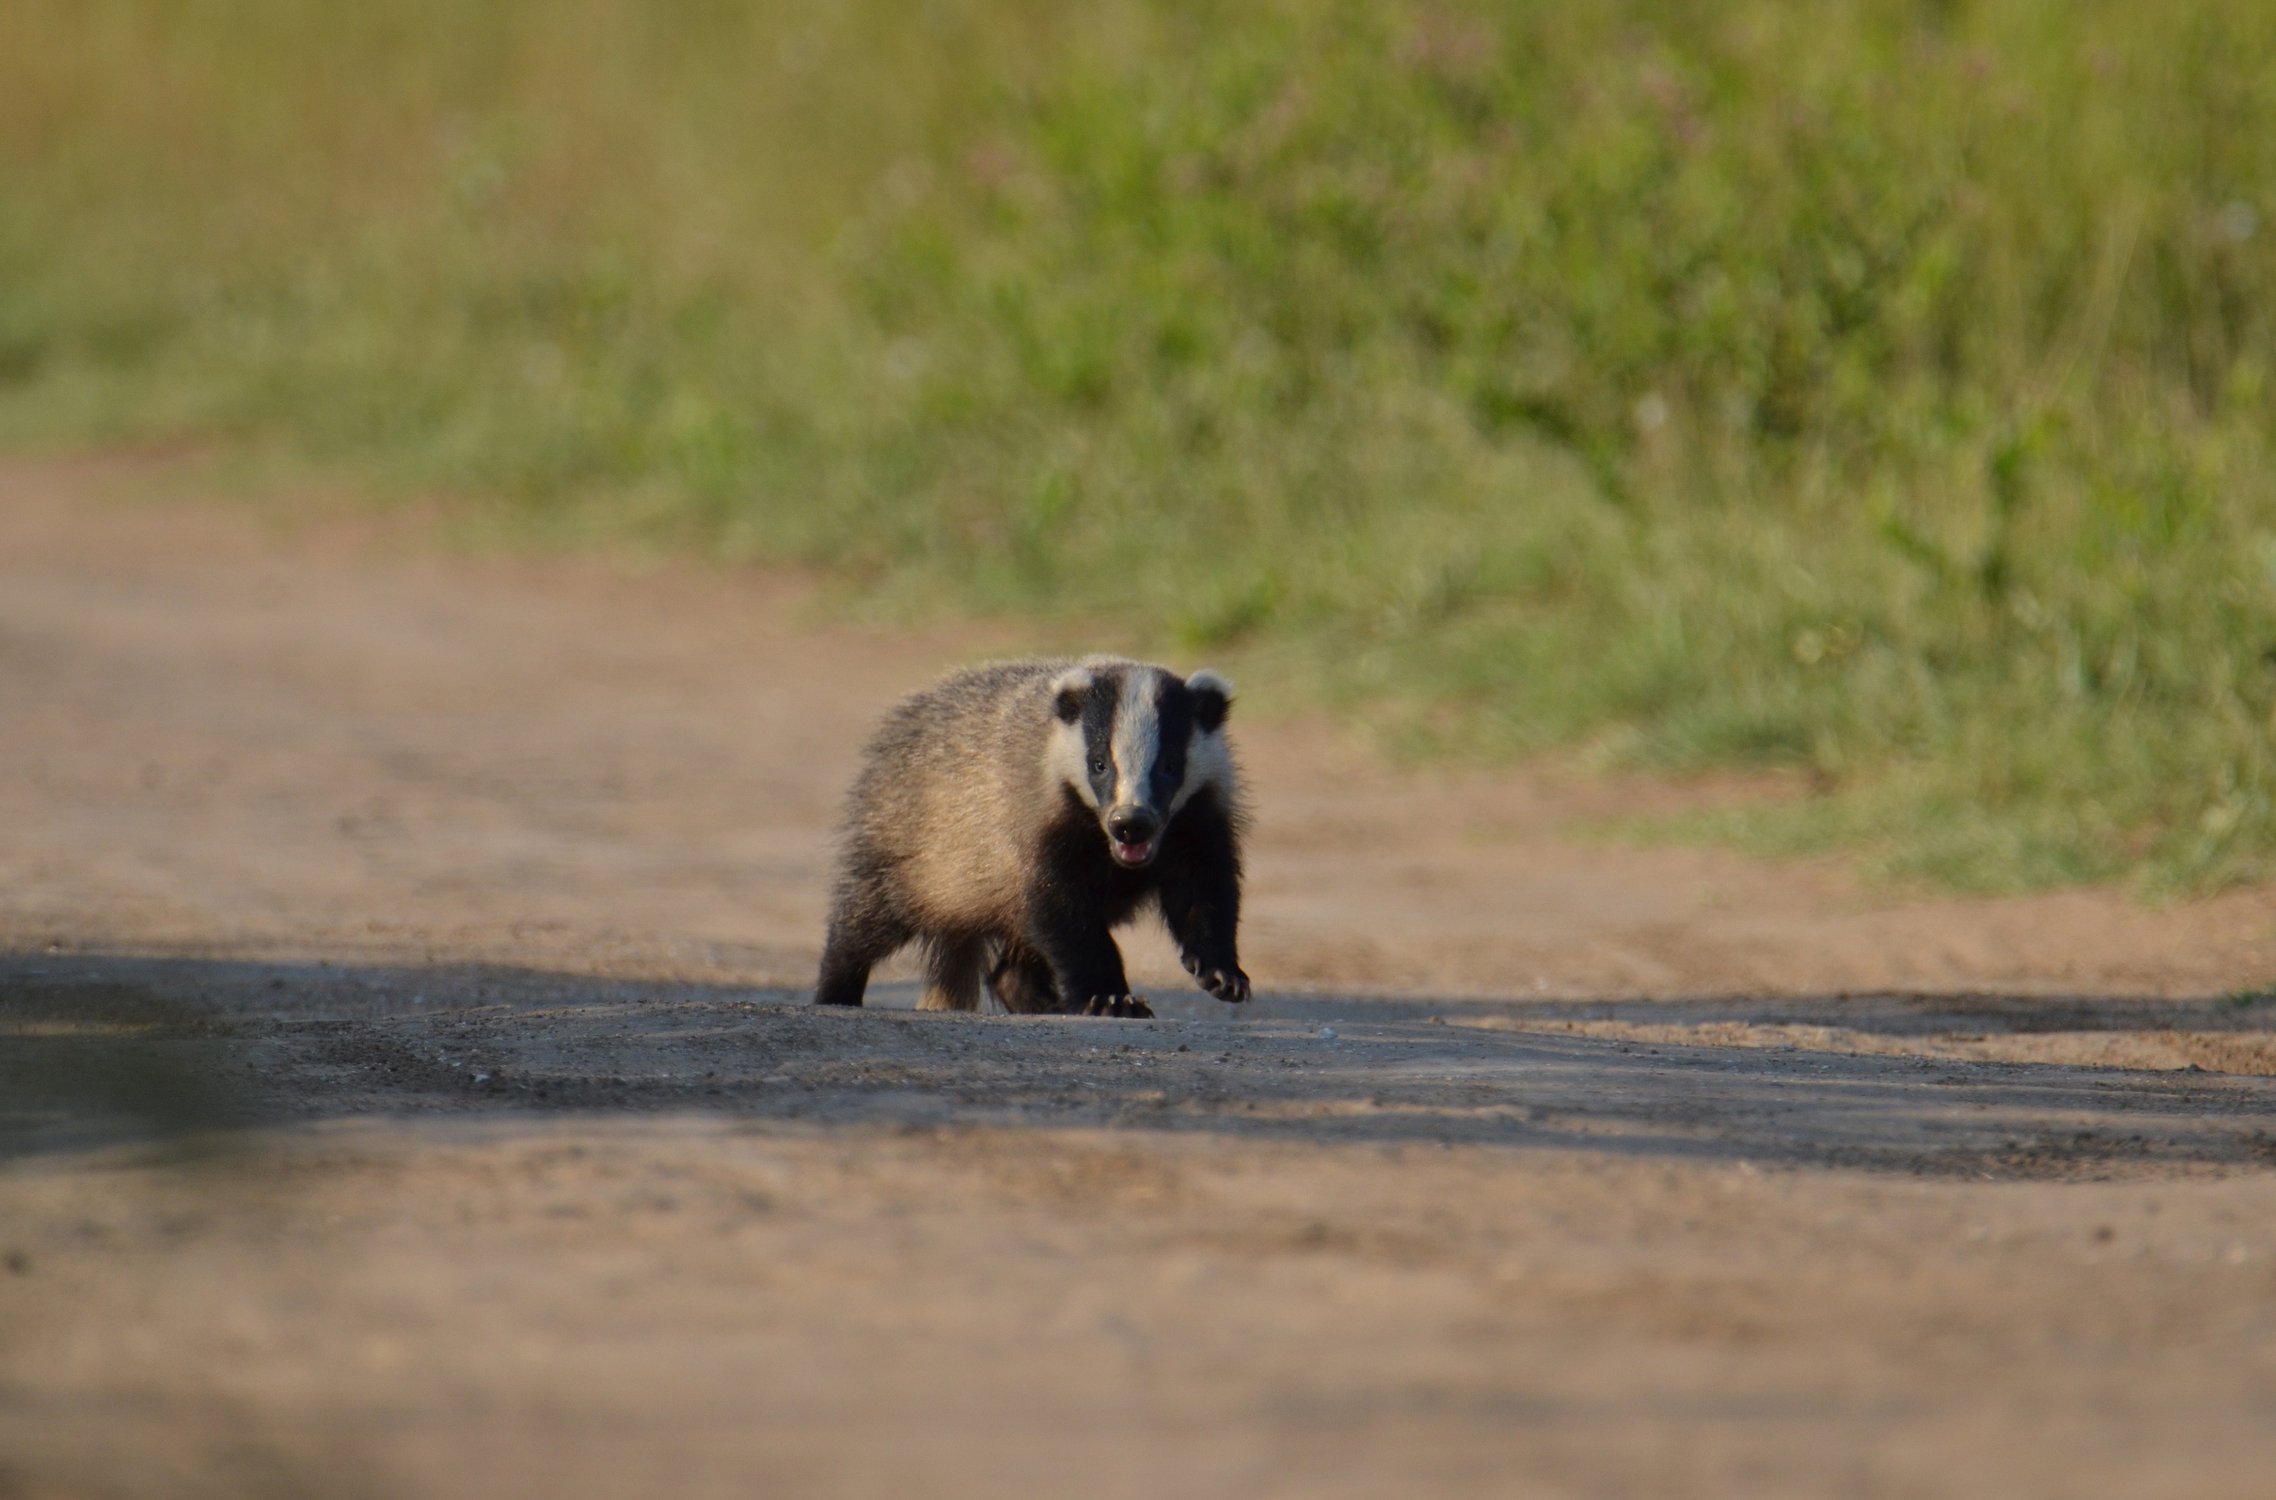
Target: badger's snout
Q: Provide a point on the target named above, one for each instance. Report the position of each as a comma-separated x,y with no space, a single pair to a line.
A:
1133,833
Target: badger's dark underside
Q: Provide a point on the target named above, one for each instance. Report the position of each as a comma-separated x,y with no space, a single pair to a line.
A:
1056,952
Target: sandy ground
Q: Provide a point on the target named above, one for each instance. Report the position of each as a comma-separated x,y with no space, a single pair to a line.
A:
405,1091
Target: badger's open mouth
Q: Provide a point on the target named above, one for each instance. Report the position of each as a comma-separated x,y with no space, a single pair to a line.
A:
1132,855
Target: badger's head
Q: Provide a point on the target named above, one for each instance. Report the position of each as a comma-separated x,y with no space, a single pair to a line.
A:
1135,744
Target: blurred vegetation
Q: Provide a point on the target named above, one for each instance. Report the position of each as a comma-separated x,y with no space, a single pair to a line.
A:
1876,388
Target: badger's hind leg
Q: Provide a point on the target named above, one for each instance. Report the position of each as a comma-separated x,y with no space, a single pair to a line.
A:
952,974
1021,980
864,930
847,958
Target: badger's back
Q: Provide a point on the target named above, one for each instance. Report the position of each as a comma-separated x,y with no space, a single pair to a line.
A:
953,795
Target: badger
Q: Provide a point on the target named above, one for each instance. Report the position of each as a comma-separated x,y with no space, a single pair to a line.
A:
1012,816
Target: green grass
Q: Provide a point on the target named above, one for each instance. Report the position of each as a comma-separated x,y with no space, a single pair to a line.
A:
1876,389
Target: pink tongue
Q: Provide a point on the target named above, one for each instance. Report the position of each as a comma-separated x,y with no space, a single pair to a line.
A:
1133,852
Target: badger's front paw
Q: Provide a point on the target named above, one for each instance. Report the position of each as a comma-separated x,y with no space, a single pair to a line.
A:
1128,1007
1225,981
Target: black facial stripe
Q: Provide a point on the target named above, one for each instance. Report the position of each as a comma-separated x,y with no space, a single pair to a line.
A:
1175,716
1098,733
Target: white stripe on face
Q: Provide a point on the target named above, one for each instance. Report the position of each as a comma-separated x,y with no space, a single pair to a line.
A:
1137,738
1207,763
1069,756
1070,761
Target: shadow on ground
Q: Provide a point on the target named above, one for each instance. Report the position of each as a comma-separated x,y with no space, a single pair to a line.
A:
103,1048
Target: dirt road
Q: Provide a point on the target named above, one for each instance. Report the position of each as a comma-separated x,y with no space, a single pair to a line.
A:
405,1091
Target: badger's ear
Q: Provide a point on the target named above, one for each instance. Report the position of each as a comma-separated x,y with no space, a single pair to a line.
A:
1068,690
1212,699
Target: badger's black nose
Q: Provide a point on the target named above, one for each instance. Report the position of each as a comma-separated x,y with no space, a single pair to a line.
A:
1133,825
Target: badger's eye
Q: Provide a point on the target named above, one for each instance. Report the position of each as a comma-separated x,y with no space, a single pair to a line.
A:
1098,766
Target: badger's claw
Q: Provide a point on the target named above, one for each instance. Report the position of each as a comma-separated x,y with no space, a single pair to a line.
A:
1226,982
1127,1007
